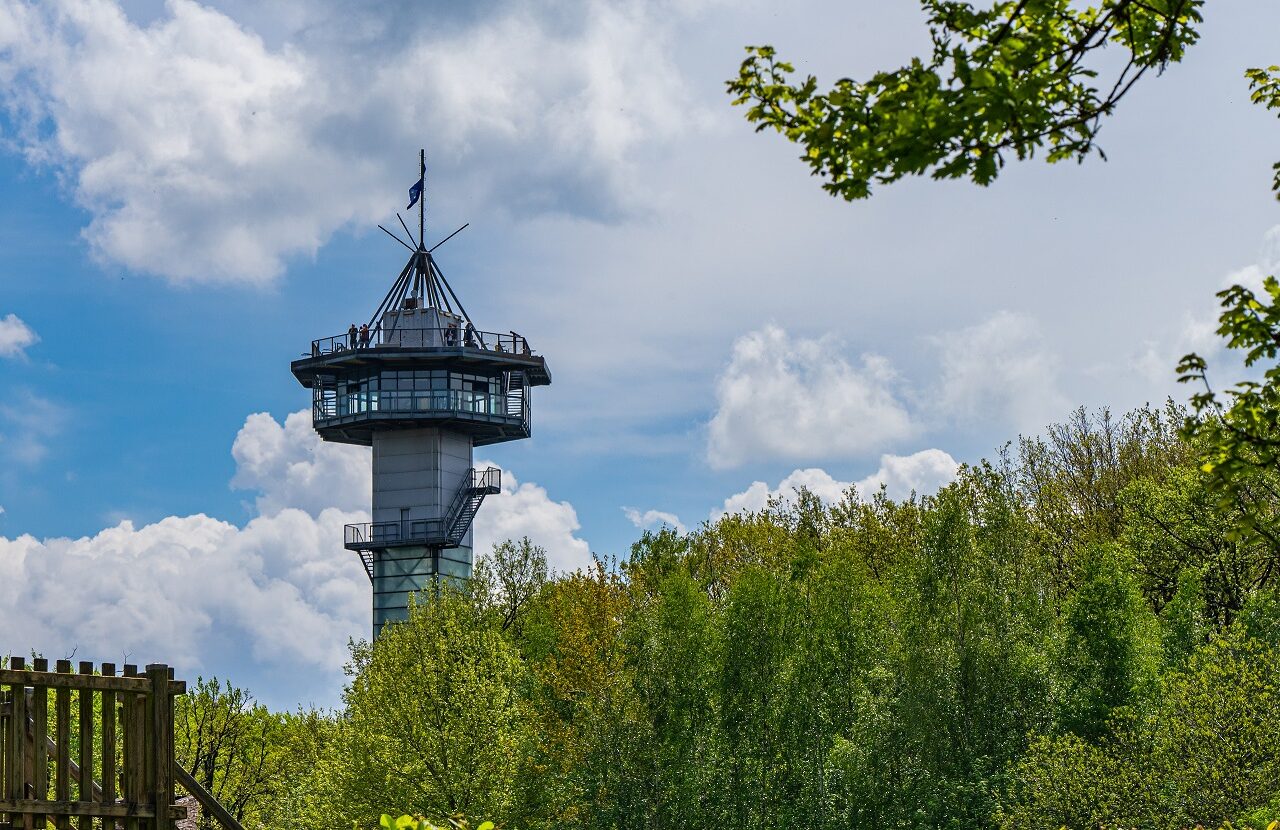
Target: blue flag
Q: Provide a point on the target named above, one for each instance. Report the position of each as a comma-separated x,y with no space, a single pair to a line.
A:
415,193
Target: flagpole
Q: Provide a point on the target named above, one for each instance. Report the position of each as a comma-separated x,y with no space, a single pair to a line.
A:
422,205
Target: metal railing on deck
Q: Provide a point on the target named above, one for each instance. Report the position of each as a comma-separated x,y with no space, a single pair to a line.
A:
477,483
409,338
407,532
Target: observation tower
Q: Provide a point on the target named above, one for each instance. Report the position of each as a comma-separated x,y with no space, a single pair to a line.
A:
423,386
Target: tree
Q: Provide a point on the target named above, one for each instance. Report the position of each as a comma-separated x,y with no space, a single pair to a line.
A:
584,701
519,570
436,720
1203,754
1176,530
987,655
1015,77
1111,646
232,746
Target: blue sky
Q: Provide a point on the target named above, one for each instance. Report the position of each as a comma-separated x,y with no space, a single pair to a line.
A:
190,194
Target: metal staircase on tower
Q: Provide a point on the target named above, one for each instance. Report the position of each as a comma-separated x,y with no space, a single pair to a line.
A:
477,485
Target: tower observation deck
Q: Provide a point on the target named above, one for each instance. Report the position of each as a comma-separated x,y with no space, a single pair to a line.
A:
422,386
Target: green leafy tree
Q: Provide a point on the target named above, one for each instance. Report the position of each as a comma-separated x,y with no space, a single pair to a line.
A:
1184,619
519,572
1176,529
1111,648
673,650
423,823
1205,753
436,718
1042,643
305,743
587,715
1064,781
233,746
973,608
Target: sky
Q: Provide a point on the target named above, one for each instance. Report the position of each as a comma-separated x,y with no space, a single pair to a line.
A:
189,194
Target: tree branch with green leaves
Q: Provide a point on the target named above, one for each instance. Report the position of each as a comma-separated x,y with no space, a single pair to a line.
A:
1018,77
1238,431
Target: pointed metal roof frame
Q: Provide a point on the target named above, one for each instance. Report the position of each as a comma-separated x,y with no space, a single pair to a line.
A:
421,276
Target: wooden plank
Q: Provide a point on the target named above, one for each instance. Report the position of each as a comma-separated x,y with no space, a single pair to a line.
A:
79,808
134,763
108,737
62,755
211,805
84,791
75,681
4,750
17,733
39,739
161,743
29,762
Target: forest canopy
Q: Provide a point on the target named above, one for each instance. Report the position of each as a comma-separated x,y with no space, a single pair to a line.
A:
1072,634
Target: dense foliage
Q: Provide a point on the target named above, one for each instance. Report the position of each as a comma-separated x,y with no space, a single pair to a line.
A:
1071,635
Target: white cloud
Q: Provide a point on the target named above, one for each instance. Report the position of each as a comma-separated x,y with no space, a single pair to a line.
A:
1157,360
525,509
15,336
290,466
1267,264
201,593
183,589
1199,331
798,398
757,497
922,472
999,369
650,519
30,422
276,597
205,154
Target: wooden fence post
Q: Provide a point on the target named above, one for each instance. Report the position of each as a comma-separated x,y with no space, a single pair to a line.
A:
62,727
18,738
134,765
108,742
39,739
161,743
4,753
84,788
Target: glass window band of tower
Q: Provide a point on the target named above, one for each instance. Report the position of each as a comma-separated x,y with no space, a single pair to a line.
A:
421,391
397,575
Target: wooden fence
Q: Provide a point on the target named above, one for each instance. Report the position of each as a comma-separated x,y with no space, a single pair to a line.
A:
123,771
